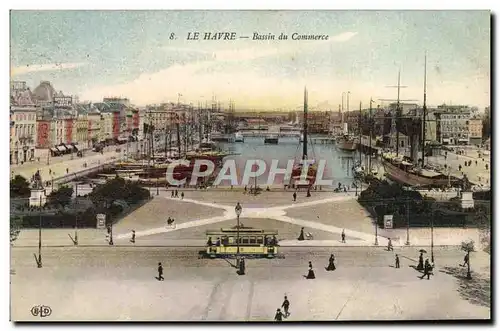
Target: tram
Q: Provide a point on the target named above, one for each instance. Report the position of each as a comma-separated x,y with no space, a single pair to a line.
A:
253,242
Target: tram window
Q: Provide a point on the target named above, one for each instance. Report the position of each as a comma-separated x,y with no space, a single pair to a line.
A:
260,240
244,240
252,240
231,240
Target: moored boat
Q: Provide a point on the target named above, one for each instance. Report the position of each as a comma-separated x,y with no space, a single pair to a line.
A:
346,143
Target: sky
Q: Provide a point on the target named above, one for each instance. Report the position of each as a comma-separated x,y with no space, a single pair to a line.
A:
96,54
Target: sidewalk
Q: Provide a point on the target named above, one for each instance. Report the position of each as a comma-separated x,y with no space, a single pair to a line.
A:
97,237
59,168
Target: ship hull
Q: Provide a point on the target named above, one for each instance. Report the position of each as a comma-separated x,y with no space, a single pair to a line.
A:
403,177
347,146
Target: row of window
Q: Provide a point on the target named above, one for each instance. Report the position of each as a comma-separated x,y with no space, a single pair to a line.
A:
24,129
25,117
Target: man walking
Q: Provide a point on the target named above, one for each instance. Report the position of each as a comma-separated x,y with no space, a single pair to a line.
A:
294,196
132,240
160,272
285,306
397,261
427,269
172,194
389,245
466,260
343,236
182,195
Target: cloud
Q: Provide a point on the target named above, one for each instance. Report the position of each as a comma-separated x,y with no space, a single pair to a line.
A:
243,85
21,70
346,36
248,54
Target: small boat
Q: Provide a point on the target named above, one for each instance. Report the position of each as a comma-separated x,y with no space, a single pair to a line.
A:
271,139
238,137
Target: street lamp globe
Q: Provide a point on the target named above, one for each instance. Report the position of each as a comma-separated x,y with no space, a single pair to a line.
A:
238,209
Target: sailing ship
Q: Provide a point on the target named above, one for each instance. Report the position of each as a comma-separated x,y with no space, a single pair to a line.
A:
297,169
402,169
346,143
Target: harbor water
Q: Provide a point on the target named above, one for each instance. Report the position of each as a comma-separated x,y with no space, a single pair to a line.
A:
338,164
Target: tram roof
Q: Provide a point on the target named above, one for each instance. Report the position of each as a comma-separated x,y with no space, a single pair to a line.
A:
227,231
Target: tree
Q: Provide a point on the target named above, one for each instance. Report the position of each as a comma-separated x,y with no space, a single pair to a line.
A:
19,187
15,227
468,246
61,197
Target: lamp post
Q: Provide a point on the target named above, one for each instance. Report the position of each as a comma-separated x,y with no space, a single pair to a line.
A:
407,223
432,235
111,243
39,261
238,210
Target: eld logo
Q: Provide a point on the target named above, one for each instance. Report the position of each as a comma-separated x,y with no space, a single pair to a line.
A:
42,311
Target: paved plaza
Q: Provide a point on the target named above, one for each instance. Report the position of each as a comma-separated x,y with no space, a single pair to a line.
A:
96,281
118,283
324,215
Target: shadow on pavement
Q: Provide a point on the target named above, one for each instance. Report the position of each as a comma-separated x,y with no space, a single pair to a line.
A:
476,290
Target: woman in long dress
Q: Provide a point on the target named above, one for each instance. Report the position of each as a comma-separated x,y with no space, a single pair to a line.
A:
331,264
310,273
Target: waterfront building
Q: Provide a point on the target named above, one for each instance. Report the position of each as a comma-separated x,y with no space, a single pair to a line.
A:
452,124
475,131
23,115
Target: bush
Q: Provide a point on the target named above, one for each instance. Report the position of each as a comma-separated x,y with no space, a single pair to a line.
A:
19,187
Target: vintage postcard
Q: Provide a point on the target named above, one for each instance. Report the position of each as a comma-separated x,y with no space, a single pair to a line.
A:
279,166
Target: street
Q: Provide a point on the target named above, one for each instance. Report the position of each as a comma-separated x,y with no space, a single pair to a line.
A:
118,283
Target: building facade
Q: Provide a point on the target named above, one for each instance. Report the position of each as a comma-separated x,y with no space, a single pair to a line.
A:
452,125
475,131
24,139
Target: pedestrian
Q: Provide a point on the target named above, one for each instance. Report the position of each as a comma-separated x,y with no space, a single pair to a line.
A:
172,195
397,261
389,245
308,195
286,305
420,265
331,263
160,272
182,195
427,270
466,260
279,316
310,273
132,240
67,170
176,193
301,235
343,236
294,196
242,267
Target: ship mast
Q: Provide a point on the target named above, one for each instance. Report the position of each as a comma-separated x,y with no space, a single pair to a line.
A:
424,110
359,133
178,129
398,114
304,146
